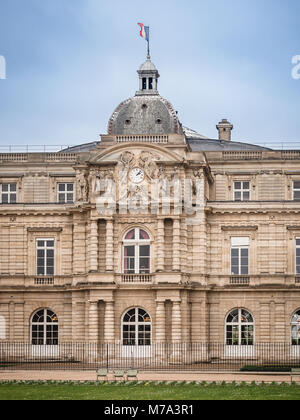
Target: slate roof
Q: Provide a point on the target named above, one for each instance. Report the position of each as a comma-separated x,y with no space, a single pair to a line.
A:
211,145
198,144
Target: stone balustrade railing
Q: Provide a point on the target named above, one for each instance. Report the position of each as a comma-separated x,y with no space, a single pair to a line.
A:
143,138
283,280
137,278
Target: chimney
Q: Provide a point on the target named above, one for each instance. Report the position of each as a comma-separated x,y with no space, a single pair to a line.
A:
224,127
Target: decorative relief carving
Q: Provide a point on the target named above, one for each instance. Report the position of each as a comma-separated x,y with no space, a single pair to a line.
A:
144,160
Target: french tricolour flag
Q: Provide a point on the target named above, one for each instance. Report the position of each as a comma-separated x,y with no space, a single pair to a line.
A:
144,31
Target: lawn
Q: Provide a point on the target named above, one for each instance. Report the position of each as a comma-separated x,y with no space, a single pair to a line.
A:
146,391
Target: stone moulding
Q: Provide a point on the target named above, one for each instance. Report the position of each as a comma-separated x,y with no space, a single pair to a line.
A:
44,229
228,228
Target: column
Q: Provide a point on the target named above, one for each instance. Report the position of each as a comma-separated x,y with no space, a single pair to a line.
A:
160,245
79,250
93,321
94,246
176,245
160,321
265,323
176,321
109,245
183,246
109,322
197,322
11,332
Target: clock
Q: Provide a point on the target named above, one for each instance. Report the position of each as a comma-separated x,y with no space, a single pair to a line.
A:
137,175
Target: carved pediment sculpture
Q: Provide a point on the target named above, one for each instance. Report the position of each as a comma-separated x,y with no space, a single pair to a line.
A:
147,161
144,160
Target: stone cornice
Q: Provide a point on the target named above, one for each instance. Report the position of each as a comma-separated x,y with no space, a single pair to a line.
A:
229,228
44,229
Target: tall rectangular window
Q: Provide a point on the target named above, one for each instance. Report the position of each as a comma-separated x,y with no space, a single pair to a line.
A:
65,193
296,191
240,256
45,257
297,255
241,191
129,260
8,193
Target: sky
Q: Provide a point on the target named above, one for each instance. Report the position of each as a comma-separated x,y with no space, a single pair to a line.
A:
69,63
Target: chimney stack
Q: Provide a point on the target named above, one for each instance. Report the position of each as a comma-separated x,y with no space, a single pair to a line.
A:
224,127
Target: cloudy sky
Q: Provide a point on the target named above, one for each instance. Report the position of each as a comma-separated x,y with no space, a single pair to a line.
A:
71,62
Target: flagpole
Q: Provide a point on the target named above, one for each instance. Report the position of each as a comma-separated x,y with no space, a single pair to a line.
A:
148,56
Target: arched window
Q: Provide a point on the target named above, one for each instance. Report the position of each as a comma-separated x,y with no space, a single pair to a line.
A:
136,328
240,328
44,328
295,329
136,252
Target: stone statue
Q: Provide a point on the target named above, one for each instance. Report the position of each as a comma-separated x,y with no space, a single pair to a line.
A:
197,175
82,186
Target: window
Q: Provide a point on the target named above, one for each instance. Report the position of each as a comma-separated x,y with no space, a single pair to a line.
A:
241,191
44,328
65,193
136,328
136,252
239,328
296,191
239,256
45,257
144,83
8,193
295,328
150,83
297,255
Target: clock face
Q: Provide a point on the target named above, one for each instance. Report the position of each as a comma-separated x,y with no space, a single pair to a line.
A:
137,175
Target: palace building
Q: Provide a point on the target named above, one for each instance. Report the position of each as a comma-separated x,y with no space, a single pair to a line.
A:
89,253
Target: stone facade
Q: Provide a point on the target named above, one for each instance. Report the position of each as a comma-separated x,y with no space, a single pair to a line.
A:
190,288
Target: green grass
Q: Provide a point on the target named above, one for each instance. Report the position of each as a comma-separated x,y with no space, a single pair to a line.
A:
269,368
146,391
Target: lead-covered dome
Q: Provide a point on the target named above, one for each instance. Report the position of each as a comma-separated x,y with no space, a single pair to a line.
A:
152,115
147,112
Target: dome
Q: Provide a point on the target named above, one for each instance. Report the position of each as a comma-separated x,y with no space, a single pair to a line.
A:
144,114
148,66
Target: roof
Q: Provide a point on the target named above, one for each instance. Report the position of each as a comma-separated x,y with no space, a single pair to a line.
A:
212,145
197,143
81,148
148,66
144,114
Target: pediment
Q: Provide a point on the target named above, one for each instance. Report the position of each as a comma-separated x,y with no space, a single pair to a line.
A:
115,153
